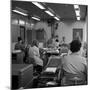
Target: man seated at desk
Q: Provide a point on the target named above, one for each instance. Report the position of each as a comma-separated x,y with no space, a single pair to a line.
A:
19,45
19,51
63,41
50,43
74,65
53,43
57,43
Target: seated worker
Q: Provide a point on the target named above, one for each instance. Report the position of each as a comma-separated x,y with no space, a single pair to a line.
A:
57,43
63,40
30,56
74,65
36,56
50,43
19,45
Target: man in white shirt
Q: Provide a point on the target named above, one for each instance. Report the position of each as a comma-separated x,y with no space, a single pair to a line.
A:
37,56
74,65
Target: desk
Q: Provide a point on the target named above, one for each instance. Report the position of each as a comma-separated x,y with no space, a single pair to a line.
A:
22,75
47,54
53,52
47,77
54,61
18,57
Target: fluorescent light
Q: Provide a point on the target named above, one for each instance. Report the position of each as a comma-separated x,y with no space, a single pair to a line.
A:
77,12
36,18
20,12
38,5
56,18
48,12
78,18
76,6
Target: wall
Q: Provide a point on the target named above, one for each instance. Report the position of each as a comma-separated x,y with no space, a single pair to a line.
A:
66,29
43,25
15,32
15,26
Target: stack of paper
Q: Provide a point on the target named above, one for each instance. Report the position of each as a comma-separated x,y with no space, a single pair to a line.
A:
51,69
51,83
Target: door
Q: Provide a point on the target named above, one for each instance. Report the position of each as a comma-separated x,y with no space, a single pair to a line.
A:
22,33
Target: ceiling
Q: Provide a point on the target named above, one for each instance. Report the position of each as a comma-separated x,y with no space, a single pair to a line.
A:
64,11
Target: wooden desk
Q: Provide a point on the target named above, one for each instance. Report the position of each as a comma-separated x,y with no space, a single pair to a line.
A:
22,75
52,52
54,61
46,77
18,57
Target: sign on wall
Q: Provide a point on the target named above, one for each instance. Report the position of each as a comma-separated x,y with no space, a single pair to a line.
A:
78,34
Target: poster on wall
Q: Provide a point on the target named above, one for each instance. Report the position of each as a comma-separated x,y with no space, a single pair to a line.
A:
45,66
78,34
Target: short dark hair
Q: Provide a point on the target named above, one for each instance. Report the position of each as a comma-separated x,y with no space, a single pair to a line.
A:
57,40
19,39
75,45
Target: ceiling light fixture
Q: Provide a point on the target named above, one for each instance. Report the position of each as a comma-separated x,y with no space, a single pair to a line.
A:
48,12
38,5
78,18
77,12
57,18
36,18
16,11
76,6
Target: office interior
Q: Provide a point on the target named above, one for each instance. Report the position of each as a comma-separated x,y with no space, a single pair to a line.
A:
44,22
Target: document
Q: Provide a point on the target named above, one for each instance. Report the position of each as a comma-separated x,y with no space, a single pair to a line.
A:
51,69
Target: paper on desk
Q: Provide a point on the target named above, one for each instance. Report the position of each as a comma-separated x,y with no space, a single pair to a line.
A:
50,83
63,54
51,69
16,51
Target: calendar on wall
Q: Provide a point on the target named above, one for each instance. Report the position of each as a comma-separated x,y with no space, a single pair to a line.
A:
78,34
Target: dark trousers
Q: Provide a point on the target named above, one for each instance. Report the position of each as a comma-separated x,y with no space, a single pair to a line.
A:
38,68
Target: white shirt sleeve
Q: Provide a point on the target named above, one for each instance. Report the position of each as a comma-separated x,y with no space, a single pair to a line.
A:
36,51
